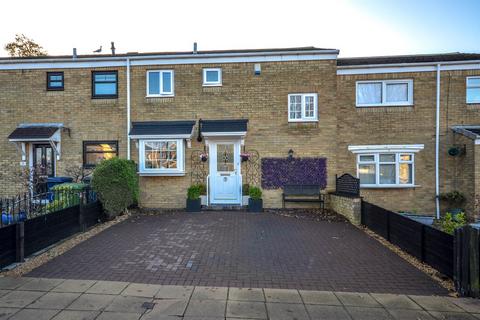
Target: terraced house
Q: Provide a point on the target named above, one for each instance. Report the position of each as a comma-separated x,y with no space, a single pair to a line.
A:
407,126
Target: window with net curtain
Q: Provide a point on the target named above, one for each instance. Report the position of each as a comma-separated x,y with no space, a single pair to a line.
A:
161,156
385,169
378,93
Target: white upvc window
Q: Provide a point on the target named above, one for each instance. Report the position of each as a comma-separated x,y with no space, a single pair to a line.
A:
473,89
302,107
386,169
384,93
212,77
162,157
160,83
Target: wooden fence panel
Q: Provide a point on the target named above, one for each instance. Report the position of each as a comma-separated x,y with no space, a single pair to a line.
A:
92,213
428,244
407,234
375,218
7,245
45,230
438,250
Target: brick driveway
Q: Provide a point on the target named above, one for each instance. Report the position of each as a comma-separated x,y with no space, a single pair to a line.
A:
241,250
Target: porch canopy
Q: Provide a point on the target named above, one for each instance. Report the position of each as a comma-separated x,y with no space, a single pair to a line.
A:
162,129
37,132
472,132
224,128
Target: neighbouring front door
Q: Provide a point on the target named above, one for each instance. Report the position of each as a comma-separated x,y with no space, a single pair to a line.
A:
225,175
44,166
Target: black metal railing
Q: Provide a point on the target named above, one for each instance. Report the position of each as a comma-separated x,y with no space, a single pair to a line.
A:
30,205
347,185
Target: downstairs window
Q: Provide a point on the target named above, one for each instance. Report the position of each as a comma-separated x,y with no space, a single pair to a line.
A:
385,169
162,157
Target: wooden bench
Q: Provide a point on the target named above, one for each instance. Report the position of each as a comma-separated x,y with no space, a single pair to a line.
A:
303,193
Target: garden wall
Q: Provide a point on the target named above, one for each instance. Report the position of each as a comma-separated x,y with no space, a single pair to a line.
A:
349,207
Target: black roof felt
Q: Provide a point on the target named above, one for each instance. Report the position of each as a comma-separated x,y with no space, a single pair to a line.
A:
147,128
230,125
39,132
420,58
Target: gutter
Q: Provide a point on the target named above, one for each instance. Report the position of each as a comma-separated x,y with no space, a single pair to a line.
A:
437,146
407,64
171,56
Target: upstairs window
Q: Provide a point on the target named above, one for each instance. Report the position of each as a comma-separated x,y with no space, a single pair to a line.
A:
55,81
160,83
104,84
384,93
473,90
302,107
96,151
212,77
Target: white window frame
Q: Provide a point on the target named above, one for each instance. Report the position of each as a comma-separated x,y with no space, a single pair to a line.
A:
212,83
304,118
384,102
160,82
180,170
471,86
377,164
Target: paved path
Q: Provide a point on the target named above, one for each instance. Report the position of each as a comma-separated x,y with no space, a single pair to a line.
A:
45,299
240,250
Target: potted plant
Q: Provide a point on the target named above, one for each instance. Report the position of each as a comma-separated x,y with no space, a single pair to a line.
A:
245,194
255,203
203,157
455,200
193,199
245,156
203,194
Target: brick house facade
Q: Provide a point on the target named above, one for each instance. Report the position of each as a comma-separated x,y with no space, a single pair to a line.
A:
300,100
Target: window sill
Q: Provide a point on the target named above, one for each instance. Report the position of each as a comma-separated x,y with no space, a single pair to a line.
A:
160,96
396,186
212,85
385,105
161,174
302,121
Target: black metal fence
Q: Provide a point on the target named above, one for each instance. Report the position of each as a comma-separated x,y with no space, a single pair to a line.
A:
31,227
347,185
432,246
30,205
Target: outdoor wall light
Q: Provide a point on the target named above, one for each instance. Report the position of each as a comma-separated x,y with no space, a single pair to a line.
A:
290,154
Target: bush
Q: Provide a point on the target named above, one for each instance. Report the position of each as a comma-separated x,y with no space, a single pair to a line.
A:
451,222
203,189
116,183
255,193
245,189
194,192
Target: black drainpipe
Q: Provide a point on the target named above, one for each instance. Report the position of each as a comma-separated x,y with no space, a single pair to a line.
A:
199,138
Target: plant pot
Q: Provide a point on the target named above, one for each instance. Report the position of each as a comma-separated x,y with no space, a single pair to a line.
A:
455,211
255,205
194,205
245,158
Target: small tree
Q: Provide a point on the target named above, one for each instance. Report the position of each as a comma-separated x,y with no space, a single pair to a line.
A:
116,183
77,172
24,47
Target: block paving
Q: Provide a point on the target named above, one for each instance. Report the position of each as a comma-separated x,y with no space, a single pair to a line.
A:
237,249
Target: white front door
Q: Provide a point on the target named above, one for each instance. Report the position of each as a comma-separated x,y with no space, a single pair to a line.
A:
225,177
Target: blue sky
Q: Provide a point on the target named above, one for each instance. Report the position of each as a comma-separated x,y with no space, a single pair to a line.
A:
356,27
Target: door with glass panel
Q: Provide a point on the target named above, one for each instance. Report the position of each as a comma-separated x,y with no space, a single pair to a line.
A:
43,166
225,176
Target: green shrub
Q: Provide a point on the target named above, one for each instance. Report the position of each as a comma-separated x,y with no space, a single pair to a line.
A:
203,189
453,197
57,204
116,183
194,192
245,189
451,222
255,193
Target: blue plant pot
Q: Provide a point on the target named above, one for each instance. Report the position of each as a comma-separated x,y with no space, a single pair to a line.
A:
7,218
22,216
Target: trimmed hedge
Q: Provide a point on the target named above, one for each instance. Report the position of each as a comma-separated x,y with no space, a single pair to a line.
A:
116,183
